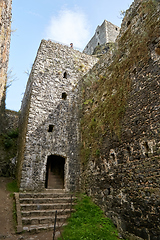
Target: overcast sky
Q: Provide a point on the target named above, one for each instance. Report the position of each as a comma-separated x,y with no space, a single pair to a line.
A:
59,20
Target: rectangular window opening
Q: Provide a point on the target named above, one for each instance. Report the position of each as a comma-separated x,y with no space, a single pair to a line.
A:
50,129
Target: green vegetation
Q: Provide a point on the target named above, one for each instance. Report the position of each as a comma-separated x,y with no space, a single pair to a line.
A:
8,150
88,222
88,101
112,83
14,214
12,186
10,137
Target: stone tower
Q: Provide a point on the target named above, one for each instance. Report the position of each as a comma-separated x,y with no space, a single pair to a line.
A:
105,33
49,123
5,33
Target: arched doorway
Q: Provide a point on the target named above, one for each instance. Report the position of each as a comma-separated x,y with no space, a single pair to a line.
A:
55,172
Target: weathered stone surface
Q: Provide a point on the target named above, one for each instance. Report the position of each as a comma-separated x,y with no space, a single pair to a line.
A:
121,173
12,119
8,144
120,131
106,33
50,115
36,211
5,32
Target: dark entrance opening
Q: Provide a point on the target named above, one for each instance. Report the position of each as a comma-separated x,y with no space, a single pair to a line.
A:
55,172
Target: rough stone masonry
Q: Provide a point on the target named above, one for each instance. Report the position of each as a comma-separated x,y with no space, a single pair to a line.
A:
106,33
122,174
5,33
49,120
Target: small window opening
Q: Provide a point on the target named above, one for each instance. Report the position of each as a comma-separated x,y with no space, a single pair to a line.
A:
128,23
50,129
97,32
64,95
116,29
146,148
113,156
98,44
137,122
65,75
128,151
134,71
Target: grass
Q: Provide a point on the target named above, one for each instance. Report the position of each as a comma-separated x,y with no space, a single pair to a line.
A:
12,186
88,222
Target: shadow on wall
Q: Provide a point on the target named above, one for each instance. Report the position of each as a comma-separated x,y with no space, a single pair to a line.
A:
2,114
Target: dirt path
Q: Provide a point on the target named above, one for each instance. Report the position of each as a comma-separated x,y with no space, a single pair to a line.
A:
7,229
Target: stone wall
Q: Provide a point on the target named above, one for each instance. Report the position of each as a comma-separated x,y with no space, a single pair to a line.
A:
120,126
12,119
105,33
51,101
8,144
120,129
5,32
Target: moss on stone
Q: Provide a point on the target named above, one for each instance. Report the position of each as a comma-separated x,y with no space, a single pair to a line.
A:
114,82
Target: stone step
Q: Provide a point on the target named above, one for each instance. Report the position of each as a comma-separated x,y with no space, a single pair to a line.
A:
43,220
45,200
36,213
49,194
56,179
41,227
56,186
56,206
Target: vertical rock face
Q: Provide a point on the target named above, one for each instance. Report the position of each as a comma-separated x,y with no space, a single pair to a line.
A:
5,32
105,33
49,121
120,127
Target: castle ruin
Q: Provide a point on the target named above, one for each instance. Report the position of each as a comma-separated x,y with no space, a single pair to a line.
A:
106,33
49,124
120,172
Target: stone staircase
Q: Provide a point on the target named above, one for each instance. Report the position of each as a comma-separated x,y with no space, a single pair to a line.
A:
36,211
55,182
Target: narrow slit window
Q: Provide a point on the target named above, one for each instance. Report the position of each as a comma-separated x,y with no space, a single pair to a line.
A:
128,23
50,129
128,151
109,191
113,156
65,75
64,95
146,148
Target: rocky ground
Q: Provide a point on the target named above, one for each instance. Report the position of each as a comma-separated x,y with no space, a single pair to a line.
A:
7,225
